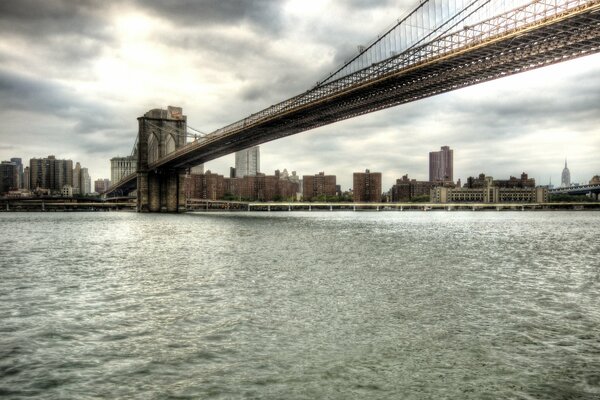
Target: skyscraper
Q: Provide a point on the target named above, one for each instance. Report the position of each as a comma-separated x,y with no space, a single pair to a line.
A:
247,162
441,165
77,179
85,182
8,176
26,179
565,180
19,163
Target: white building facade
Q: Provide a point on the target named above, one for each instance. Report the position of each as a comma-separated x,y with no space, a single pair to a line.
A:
121,167
247,162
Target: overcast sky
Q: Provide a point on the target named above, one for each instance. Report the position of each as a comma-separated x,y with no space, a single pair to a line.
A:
75,75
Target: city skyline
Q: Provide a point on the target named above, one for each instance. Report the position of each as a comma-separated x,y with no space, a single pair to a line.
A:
82,102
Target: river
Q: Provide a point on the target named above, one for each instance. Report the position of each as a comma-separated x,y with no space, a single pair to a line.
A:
300,305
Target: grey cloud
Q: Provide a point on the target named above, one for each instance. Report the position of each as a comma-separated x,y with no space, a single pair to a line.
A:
366,3
369,4
34,10
262,14
66,35
223,49
114,148
281,85
18,92
489,120
53,17
22,93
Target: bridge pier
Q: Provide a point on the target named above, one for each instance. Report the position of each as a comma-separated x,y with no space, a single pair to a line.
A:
161,191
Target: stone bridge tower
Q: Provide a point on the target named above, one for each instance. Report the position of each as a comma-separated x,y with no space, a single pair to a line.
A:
160,189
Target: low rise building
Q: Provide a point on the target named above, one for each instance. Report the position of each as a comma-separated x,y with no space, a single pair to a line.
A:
406,189
232,187
259,187
101,185
318,185
512,182
366,186
263,187
205,186
67,191
489,193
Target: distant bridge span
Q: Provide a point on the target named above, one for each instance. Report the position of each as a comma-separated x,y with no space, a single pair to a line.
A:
458,44
591,189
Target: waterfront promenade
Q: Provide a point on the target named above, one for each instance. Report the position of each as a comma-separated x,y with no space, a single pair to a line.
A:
207,205
9,205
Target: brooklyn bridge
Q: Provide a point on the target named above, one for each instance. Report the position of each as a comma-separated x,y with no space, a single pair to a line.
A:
439,46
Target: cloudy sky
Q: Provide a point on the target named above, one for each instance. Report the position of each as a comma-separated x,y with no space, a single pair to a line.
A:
75,75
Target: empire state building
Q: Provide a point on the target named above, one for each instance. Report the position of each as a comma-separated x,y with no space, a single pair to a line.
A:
565,180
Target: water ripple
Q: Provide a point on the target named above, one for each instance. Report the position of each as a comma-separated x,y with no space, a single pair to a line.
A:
300,305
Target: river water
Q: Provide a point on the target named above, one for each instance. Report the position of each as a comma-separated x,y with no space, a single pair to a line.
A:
300,305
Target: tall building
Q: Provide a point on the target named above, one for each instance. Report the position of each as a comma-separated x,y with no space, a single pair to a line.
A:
50,173
318,185
19,163
77,179
85,182
82,183
367,186
247,162
122,166
37,173
9,173
441,165
565,179
26,179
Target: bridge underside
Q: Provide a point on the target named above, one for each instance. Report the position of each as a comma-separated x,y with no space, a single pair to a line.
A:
524,50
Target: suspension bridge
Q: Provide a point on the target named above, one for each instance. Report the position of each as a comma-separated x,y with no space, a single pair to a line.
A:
439,46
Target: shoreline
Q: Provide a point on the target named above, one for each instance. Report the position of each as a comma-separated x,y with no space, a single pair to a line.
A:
199,206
